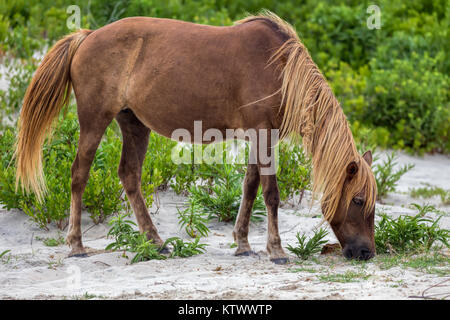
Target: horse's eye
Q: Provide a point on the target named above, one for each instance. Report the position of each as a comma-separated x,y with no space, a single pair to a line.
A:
358,201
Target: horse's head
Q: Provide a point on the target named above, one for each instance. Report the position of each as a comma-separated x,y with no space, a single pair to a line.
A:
353,220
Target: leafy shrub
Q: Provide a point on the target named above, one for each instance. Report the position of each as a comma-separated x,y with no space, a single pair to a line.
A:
305,249
158,165
349,86
121,229
418,115
409,233
185,176
222,199
294,171
145,249
53,242
103,195
57,160
127,239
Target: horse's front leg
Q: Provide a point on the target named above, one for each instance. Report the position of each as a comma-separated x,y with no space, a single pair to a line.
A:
249,192
272,200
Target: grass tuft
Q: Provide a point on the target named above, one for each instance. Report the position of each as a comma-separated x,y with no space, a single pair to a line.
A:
305,249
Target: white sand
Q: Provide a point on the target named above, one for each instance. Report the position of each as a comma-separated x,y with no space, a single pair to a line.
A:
32,270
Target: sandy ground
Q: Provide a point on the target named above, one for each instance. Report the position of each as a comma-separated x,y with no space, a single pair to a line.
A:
34,271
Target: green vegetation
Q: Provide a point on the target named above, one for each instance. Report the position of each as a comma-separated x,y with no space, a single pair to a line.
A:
348,276
4,253
303,269
52,242
407,234
433,262
214,190
104,194
127,239
221,197
185,249
193,221
430,191
385,176
394,237
294,171
305,249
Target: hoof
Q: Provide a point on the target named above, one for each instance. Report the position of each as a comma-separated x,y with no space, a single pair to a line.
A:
164,250
280,260
84,252
246,254
80,253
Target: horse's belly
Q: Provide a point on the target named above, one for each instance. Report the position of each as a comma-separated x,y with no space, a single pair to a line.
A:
192,124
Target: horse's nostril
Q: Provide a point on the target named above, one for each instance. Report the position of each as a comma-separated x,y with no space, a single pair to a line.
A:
348,253
365,254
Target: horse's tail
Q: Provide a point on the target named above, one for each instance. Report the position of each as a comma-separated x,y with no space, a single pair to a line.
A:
48,92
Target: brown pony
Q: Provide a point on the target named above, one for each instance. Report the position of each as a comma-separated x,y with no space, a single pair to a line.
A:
161,75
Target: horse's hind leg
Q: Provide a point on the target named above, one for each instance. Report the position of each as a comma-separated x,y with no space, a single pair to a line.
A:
250,190
135,143
92,127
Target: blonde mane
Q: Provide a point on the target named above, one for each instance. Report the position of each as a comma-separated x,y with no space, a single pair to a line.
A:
312,111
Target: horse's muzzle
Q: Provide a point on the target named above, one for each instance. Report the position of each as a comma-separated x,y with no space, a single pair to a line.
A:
359,253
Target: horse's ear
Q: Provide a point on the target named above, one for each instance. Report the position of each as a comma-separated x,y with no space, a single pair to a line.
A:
352,169
368,157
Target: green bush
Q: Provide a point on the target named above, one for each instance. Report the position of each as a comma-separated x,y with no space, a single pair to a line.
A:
58,157
103,195
409,234
418,115
293,172
185,249
222,198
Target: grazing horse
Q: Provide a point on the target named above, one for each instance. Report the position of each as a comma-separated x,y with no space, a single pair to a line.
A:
161,75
